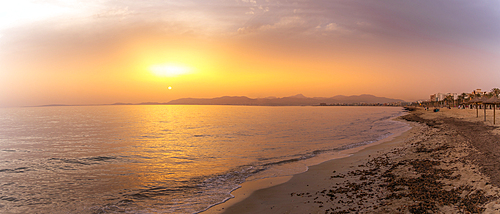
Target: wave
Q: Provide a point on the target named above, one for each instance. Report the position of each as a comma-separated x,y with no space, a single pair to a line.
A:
86,160
235,177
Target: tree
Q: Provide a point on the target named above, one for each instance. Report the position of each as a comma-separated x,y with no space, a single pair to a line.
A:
461,98
495,91
449,99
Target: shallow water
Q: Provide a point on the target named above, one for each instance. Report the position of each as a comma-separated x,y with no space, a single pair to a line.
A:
165,159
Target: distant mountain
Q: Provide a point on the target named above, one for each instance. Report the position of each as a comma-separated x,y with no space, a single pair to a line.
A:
296,100
365,98
300,96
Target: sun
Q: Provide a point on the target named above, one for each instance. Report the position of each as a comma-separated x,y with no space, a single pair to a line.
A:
168,70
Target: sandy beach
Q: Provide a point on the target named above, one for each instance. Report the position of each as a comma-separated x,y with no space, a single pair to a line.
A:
447,163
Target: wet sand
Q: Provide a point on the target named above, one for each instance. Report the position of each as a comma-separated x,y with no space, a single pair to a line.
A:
447,163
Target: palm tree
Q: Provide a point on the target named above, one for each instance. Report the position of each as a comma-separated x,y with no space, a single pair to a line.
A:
495,91
465,96
461,98
449,99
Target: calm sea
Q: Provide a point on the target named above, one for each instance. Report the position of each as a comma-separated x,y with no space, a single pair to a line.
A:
166,159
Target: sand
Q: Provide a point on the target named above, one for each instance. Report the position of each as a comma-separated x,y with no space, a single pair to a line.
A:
445,164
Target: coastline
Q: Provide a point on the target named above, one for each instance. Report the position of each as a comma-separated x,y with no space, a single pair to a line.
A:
249,187
439,165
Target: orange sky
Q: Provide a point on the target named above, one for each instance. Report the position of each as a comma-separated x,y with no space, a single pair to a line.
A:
98,52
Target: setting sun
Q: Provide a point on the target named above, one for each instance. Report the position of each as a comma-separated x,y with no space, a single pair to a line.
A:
169,70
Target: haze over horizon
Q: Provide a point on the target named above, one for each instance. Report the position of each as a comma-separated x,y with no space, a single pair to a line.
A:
95,52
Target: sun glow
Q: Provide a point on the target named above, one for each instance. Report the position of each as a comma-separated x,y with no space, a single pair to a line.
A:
169,70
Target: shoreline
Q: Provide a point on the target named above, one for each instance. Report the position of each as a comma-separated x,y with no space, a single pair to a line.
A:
247,188
443,164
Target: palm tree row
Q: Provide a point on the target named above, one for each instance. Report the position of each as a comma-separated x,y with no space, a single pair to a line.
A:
464,97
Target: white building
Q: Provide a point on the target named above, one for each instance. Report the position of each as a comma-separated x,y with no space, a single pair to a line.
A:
441,96
478,91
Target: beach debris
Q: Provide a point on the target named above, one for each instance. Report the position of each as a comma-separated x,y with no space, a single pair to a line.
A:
420,178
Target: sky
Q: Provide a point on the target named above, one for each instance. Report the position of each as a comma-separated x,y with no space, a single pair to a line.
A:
109,51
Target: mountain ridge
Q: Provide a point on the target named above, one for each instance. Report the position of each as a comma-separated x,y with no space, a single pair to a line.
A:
295,100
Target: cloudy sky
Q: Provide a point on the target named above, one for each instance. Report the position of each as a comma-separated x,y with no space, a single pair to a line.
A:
107,51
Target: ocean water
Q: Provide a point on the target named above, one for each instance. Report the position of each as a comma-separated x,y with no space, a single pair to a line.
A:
166,159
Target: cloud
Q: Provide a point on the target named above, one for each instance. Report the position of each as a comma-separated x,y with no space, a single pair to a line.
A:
249,1
264,9
21,12
284,23
248,29
288,22
363,24
331,27
47,33
114,12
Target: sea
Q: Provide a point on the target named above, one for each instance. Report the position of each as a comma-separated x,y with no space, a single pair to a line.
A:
167,158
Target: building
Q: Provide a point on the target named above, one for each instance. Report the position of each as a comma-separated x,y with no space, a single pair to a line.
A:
478,91
433,98
438,97
441,96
